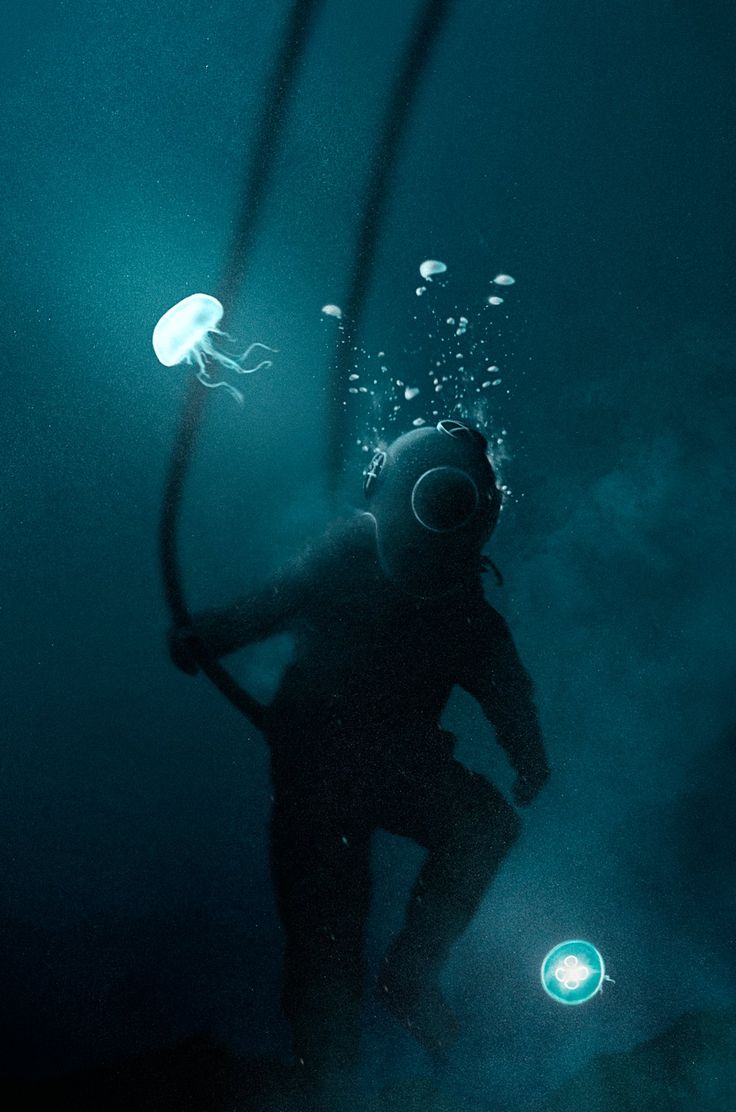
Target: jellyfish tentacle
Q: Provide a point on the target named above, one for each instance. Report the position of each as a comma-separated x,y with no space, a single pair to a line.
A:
264,363
205,354
257,344
233,365
211,384
226,361
251,370
259,366
206,350
196,357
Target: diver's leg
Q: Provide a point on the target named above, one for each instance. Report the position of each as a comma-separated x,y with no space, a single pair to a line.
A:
467,827
321,871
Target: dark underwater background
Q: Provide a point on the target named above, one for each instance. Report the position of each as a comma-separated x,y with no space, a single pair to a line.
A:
587,150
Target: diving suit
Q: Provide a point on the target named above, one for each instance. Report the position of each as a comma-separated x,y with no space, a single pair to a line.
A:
388,615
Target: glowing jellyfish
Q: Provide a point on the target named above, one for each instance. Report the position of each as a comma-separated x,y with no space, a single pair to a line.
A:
573,972
332,311
184,335
430,267
504,280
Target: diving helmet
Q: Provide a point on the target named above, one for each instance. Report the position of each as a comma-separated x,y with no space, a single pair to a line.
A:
435,502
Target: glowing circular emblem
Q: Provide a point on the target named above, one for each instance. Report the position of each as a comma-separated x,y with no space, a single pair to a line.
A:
573,972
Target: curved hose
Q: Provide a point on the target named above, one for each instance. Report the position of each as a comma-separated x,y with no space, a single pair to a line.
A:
426,31
260,171
427,28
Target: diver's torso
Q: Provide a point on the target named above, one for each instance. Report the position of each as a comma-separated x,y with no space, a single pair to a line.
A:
368,655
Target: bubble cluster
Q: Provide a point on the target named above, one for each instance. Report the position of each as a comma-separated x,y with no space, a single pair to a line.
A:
453,360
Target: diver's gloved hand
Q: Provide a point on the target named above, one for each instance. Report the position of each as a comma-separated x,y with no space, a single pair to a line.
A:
529,783
183,649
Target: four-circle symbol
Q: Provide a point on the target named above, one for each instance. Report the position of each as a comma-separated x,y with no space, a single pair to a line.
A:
571,973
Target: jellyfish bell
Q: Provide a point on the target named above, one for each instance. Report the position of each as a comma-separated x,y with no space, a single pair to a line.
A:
178,335
184,335
573,972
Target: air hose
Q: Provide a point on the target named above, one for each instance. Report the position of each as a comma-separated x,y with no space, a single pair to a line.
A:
258,176
427,27
429,22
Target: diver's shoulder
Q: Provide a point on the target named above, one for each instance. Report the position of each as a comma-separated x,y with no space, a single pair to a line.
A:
357,530
350,535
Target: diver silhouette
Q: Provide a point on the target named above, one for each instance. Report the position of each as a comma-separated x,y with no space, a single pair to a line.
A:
388,614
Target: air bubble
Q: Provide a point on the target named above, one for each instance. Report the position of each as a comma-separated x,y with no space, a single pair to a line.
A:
430,267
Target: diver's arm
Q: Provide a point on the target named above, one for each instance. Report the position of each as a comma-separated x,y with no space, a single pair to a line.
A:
495,676
217,632
252,617
270,609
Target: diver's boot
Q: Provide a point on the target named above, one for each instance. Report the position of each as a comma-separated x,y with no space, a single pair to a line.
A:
326,1035
323,1088
416,1001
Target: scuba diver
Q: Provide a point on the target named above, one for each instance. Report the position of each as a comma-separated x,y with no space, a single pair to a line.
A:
388,615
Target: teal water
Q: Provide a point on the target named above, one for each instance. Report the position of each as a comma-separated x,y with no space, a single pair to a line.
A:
587,151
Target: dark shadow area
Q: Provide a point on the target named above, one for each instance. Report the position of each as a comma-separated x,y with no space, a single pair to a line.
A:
691,1065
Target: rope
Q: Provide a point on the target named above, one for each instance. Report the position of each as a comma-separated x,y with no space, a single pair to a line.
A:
259,175
427,27
426,31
